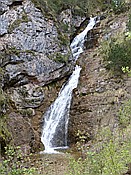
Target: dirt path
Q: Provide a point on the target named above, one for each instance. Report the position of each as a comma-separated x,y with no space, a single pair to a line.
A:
51,164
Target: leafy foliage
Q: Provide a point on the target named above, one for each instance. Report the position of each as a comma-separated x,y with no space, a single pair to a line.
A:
4,133
117,54
125,114
118,6
126,70
13,164
83,7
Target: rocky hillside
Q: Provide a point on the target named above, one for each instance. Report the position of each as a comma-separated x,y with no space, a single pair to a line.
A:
101,92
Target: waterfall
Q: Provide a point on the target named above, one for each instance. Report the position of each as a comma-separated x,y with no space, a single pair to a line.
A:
54,133
78,42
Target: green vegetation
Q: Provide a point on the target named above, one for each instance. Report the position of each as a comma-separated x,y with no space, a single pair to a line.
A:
15,51
126,70
59,57
15,163
111,152
125,115
56,6
45,9
4,133
83,7
2,101
26,112
117,53
118,6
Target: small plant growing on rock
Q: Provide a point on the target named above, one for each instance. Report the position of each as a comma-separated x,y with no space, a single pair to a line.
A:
126,70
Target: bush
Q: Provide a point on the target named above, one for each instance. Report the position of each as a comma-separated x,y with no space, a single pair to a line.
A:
13,164
117,55
111,158
82,7
118,6
124,115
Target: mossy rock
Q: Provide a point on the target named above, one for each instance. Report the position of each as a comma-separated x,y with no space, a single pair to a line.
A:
59,57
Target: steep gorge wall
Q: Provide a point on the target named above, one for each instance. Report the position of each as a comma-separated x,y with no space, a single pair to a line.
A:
33,55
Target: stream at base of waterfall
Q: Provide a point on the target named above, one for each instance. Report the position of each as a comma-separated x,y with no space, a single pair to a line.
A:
55,128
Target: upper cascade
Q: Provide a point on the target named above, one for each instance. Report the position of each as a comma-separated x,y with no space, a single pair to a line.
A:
78,42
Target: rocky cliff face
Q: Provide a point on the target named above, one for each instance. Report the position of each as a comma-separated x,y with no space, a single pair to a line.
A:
34,53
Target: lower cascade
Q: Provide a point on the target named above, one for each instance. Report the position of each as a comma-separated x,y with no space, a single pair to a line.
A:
54,133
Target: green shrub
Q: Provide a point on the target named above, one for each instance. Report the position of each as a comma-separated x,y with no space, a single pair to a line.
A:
4,133
126,70
118,6
83,7
13,164
117,55
61,58
111,158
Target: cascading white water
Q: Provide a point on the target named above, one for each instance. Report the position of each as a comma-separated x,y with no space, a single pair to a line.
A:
78,42
56,118
54,134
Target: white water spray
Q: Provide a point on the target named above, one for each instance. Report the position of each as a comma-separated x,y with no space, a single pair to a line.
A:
54,134
78,42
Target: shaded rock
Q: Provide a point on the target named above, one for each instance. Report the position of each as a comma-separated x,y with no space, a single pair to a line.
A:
21,131
4,5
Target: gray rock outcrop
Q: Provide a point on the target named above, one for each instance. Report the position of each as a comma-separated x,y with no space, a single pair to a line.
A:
33,54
